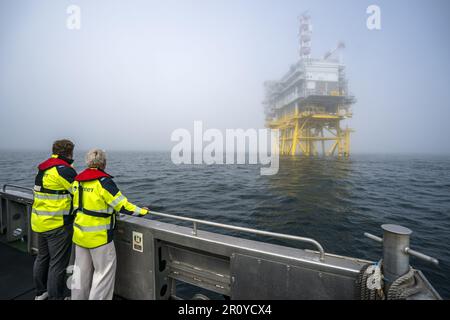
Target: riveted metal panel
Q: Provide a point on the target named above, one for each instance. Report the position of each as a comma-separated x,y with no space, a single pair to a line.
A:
135,263
260,279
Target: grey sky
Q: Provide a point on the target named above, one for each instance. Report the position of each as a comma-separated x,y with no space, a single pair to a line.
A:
137,70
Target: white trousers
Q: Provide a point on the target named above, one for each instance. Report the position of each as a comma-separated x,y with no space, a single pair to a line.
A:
94,273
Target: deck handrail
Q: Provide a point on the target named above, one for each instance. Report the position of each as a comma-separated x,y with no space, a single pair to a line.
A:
243,229
196,222
16,187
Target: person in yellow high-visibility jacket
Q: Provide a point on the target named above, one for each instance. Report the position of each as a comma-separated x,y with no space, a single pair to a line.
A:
51,219
96,200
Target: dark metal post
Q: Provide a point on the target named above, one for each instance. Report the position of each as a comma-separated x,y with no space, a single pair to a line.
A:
395,259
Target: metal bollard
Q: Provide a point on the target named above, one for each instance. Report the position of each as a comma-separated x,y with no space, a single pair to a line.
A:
395,258
396,251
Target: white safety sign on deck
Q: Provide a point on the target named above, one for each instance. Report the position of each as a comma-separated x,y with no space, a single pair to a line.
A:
138,241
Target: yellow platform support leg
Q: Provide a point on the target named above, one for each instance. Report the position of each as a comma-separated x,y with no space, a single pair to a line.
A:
288,146
295,139
340,140
332,149
308,142
347,143
283,140
312,144
306,133
323,142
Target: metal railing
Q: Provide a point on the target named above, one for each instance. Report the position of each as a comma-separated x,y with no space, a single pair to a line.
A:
196,222
16,187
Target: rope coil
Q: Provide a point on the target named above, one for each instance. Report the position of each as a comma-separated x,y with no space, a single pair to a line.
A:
404,287
362,290
401,289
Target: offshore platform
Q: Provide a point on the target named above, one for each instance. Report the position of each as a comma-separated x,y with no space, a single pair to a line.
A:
309,103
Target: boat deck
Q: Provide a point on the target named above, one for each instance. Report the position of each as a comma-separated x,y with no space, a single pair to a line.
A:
156,258
16,274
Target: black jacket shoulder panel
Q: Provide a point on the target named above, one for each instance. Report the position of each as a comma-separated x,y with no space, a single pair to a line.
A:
109,185
67,173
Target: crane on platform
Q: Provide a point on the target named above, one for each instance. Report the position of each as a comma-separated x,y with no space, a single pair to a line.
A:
338,49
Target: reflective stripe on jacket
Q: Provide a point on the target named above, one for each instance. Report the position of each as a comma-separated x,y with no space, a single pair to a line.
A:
52,205
96,200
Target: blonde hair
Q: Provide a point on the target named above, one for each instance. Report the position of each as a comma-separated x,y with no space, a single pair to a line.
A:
96,158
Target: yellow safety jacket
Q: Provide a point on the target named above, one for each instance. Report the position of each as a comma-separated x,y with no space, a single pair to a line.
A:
52,205
96,200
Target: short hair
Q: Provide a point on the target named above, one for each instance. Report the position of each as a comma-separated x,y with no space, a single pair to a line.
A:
96,158
63,148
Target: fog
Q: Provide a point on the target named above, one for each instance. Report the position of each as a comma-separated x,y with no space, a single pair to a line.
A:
138,70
